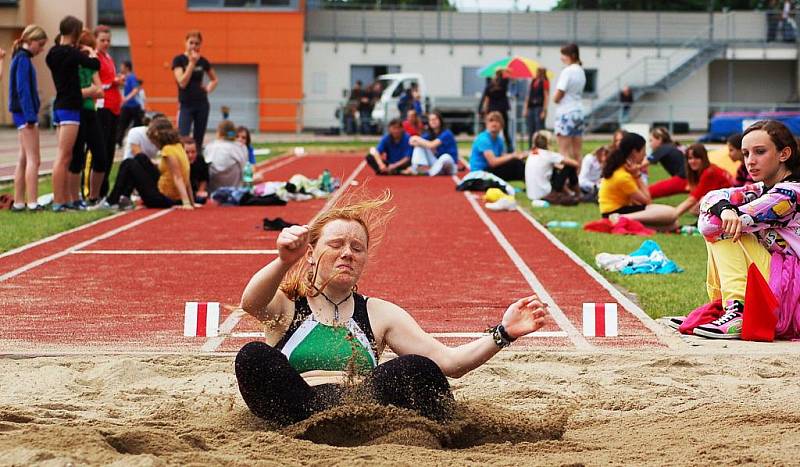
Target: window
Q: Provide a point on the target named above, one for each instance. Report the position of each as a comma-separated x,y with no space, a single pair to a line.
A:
233,4
109,12
471,83
591,81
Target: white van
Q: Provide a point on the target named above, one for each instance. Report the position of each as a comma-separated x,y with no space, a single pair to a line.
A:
394,85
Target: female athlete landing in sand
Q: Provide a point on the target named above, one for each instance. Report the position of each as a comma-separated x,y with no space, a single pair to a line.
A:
319,329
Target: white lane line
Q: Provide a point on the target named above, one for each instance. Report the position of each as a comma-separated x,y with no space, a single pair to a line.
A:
61,234
175,252
438,335
264,166
660,331
213,343
83,244
558,315
276,163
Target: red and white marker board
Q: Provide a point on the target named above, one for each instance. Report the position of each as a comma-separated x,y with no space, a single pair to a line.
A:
201,319
600,320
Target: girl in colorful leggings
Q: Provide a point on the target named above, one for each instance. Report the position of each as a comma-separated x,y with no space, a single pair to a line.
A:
757,222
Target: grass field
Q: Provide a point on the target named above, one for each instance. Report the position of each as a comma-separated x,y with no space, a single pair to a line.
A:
659,295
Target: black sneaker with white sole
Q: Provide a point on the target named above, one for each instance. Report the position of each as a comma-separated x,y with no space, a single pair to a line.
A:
675,321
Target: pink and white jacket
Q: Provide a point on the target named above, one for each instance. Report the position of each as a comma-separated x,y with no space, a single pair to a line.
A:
772,216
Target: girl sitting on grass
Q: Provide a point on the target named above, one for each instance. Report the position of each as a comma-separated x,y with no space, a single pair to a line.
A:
763,219
701,176
624,193
162,187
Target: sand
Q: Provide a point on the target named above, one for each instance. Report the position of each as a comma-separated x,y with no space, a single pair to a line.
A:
693,406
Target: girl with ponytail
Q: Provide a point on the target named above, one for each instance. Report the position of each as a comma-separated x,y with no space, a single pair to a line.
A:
23,103
624,192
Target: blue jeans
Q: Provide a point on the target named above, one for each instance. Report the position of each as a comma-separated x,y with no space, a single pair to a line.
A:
365,119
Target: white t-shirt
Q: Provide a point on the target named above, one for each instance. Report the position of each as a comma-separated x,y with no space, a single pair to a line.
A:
538,171
226,161
591,173
138,136
572,81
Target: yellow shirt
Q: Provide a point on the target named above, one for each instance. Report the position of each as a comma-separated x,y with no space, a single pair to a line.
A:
721,159
615,192
165,183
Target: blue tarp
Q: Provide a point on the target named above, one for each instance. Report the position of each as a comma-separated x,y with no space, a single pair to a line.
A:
724,124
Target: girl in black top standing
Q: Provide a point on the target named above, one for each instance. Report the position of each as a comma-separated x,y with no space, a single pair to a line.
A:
495,99
535,110
189,69
63,60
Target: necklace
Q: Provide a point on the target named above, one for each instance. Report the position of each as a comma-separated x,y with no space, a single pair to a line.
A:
336,306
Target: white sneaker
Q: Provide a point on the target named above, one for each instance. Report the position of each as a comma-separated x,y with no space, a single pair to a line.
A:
506,203
101,205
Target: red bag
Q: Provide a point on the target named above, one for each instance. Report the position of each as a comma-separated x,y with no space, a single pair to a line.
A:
760,307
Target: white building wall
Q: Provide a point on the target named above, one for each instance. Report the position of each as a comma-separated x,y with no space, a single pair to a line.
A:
745,81
686,102
326,74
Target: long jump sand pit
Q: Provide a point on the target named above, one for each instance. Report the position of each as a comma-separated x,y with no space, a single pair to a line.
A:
696,406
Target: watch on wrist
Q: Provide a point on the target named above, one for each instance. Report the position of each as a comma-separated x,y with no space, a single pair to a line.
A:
500,336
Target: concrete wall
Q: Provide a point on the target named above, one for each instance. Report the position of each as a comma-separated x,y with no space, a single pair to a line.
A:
271,40
686,102
326,72
745,81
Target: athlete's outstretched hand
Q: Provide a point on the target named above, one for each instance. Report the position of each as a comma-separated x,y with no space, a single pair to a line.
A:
292,243
524,316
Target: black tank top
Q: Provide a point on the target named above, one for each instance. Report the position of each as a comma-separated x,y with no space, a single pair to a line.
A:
302,311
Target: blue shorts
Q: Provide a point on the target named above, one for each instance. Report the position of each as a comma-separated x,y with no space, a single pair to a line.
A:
66,117
570,124
20,122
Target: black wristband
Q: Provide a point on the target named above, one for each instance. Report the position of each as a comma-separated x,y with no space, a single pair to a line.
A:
500,336
721,206
502,330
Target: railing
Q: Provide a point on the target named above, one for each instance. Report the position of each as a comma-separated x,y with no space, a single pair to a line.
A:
329,115
647,73
399,24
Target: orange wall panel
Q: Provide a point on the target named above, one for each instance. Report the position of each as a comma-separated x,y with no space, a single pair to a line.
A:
271,40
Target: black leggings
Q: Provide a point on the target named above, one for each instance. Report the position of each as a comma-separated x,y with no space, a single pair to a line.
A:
108,125
140,174
511,170
193,118
128,116
567,176
274,391
374,165
90,137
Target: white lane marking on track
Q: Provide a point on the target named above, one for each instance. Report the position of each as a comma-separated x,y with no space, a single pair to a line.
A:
175,252
82,244
437,335
661,333
213,343
60,234
556,312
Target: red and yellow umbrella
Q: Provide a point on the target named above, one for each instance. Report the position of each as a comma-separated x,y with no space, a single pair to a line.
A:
518,67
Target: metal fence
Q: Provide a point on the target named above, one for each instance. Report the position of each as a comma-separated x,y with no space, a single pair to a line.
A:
586,27
329,116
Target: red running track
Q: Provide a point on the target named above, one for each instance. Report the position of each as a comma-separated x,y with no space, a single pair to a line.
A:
440,261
